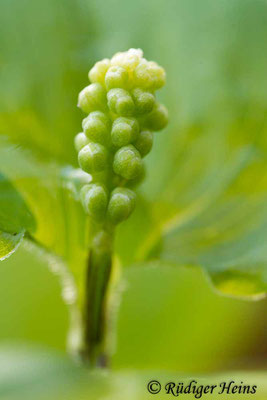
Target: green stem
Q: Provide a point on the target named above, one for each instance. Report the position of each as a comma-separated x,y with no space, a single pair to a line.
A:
94,316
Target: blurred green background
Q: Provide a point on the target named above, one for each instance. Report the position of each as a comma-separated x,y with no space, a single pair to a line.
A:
214,53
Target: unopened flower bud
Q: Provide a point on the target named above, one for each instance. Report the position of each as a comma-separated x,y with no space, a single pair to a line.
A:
116,77
158,118
124,131
80,141
120,102
94,199
128,59
127,162
121,205
97,127
93,158
144,142
149,75
144,101
92,98
98,72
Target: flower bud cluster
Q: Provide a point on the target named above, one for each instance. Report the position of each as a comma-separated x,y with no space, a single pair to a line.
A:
118,131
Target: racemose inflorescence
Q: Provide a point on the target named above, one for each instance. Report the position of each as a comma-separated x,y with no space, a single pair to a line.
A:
118,132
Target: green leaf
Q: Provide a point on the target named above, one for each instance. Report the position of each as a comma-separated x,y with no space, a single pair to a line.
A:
176,306
51,192
223,230
14,213
9,243
15,218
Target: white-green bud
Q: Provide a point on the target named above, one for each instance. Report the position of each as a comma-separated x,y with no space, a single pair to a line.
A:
80,141
93,158
120,102
121,205
127,162
127,59
95,199
92,98
98,72
124,131
116,77
149,75
97,127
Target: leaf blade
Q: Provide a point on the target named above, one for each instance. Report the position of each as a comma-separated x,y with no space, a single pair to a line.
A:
9,243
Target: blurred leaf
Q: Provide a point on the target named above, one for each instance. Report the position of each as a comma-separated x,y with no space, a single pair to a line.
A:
41,75
15,218
206,187
184,322
14,214
9,243
25,374
31,306
31,373
224,229
51,193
